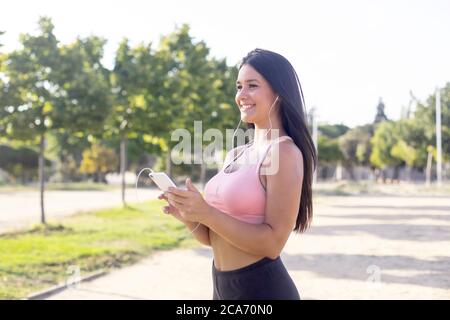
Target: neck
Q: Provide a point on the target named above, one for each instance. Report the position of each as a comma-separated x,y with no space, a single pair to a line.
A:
263,134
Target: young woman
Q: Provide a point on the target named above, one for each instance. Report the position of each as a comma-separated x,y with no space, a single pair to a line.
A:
249,209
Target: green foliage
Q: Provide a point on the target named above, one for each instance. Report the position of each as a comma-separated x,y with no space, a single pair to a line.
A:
355,145
328,150
333,130
396,143
84,102
65,92
28,97
20,162
98,159
401,150
384,139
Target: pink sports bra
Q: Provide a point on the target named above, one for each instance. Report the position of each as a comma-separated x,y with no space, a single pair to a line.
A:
240,193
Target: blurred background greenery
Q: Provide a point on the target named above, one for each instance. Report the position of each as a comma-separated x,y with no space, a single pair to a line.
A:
62,111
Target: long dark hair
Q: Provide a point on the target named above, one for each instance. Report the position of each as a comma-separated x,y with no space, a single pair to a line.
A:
283,79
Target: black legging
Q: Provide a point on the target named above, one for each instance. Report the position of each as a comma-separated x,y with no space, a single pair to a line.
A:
265,279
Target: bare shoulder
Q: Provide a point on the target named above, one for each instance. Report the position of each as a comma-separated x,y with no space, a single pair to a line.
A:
288,152
284,158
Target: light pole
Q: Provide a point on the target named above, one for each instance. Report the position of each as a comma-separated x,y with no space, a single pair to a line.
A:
438,137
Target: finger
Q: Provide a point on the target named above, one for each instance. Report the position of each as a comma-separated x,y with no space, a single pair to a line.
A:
179,192
169,209
190,186
162,196
177,198
176,204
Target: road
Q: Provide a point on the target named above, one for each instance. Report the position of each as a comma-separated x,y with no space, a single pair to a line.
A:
22,209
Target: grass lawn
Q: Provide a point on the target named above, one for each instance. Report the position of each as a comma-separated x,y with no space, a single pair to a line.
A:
38,258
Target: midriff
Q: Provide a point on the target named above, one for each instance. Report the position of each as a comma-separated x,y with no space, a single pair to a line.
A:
228,257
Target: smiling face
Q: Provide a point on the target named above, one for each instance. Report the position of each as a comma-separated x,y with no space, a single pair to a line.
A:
254,96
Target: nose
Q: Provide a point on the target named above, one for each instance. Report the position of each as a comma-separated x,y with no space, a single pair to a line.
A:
242,95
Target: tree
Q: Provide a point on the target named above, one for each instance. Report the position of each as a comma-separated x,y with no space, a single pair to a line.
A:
198,85
81,110
385,139
50,87
190,87
355,147
130,113
175,55
27,97
98,160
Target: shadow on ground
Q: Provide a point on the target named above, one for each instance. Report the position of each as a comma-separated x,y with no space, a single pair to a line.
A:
430,233
434,274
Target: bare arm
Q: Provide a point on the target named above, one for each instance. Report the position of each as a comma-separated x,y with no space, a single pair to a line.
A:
252,238
201,232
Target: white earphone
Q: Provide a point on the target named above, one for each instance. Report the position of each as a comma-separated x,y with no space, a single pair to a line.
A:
270,121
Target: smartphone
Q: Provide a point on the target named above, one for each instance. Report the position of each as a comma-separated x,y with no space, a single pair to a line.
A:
162,180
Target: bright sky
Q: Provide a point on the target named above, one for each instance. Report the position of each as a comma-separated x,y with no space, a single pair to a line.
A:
347,53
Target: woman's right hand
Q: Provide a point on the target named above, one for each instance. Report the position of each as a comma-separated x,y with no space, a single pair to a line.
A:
169,209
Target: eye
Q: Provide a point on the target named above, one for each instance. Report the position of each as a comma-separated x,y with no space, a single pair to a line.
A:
239,87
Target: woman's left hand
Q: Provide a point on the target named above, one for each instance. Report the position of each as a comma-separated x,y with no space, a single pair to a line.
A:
190,202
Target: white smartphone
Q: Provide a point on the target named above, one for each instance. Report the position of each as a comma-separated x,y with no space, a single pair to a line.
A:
162,180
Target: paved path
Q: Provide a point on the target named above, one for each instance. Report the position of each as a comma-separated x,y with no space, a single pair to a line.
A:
359,247
21,209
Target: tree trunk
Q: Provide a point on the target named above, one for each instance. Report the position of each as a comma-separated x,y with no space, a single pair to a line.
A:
350,171
169,163
42,175
123,165
63,167
396,174
428,171
409,173
203,173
